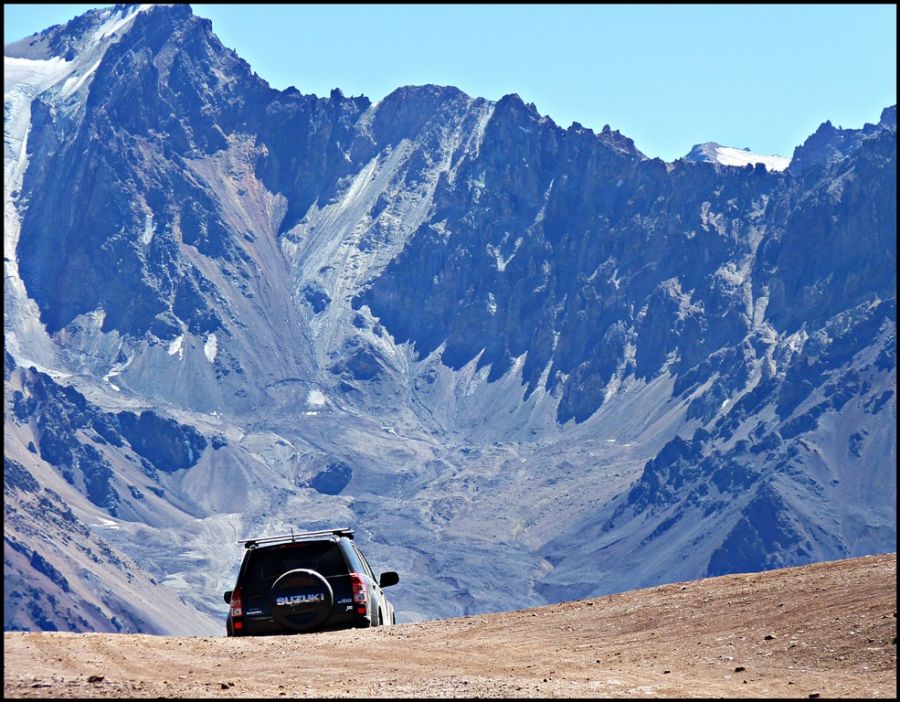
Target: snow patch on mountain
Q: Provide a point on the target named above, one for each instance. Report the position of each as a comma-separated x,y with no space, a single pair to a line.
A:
177,346
116,22
24,79
315,398
711,152
149,230
116,370
210,347
77,79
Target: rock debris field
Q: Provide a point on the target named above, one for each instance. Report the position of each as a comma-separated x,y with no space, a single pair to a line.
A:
823,630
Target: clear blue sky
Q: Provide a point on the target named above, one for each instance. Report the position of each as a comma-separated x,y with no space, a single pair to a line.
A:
668,76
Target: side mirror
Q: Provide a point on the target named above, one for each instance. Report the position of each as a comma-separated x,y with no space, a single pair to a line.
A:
388,578
228,597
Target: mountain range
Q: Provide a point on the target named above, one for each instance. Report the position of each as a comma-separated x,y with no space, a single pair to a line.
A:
526,363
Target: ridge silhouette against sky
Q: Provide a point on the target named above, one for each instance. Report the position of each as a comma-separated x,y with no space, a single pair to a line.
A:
756,76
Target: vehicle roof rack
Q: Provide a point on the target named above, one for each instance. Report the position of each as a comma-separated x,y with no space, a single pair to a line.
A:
296,536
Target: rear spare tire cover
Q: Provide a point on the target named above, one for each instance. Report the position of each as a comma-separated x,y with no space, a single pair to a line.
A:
301,599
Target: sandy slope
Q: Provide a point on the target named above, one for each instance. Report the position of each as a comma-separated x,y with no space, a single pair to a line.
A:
827,629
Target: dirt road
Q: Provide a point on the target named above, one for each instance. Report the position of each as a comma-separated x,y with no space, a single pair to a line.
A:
824,630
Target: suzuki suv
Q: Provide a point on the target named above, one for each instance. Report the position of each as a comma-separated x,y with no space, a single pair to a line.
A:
311,581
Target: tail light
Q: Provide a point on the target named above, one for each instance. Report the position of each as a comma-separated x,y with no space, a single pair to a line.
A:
236,605
358,587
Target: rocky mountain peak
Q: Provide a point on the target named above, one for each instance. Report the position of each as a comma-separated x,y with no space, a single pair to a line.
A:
829,144
441,317
69,40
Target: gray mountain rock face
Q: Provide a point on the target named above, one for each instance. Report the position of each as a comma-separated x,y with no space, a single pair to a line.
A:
527,363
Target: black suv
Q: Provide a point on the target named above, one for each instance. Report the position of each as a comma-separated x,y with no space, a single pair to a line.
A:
311,581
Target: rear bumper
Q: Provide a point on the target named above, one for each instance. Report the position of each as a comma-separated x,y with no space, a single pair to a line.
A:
266,626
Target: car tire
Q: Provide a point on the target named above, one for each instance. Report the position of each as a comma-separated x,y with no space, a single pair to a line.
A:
301,600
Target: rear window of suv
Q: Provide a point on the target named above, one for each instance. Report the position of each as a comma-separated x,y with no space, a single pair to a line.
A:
324,557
